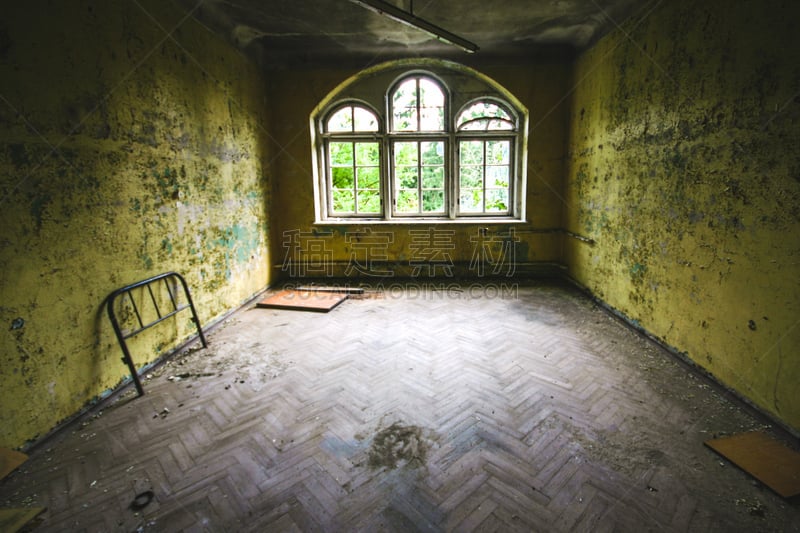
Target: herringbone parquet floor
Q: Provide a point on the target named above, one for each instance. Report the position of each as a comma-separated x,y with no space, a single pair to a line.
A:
467,409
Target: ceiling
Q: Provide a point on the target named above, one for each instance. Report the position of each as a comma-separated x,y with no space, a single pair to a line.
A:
282,32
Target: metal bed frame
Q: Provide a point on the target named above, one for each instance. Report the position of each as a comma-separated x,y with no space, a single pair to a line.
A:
176,308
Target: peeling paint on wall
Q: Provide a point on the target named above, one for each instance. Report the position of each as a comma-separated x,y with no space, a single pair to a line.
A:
683,167
122,155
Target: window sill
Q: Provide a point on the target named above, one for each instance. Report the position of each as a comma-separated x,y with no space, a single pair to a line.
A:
418,221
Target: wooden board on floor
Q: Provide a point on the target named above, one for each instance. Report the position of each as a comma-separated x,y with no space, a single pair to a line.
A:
12,520
766,459
303,300
9,460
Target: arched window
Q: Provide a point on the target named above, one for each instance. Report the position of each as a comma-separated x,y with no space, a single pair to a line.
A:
485,158
353,161
421,150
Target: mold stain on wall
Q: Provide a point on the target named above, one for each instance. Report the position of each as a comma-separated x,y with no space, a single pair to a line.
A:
124,153
683,167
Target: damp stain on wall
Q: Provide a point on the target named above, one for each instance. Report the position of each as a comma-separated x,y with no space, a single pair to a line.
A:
683,170
119,159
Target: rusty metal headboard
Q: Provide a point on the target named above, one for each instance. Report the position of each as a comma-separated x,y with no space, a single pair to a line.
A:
176,308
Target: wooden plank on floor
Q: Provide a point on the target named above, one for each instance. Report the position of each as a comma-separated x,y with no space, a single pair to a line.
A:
12,520
303,300
766,459
9,460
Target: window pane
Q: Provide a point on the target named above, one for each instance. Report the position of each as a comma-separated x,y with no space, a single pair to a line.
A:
432,153
433,177
470,201
369,178
405,177
471,177
471,152
342,120
367,154
497,176
483,113
365,120
405,153
497,152
433,201
404,106
343,201
369,202
342,177
500,125
496,200
341,153
431,106
407,202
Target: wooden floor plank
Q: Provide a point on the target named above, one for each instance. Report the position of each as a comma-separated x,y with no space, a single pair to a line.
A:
769,461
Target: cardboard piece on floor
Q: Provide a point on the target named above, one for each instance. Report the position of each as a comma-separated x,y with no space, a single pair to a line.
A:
766,459
9,460
303,300
321,288
12,520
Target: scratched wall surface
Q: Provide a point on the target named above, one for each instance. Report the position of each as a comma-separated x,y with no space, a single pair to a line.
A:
684,167
132,142
539,87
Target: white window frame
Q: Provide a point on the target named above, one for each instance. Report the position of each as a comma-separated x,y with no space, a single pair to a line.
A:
451,137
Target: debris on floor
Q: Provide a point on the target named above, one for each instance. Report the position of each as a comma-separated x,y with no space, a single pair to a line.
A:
303,300
769,461
10,460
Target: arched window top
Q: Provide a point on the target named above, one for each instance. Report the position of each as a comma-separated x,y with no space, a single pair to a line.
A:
352,118
418,105
485,115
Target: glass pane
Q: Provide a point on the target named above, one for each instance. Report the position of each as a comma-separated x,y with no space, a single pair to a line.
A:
496,200
405,153
471,177
368,177
343,201
471,152
470,201
485,110
342,120
433,177
497,176
342,177
365,120
432,153
367,154
431,106
407,202
497,152
475,125
404,106
369,202
405,177
500,125
341,153
431,94
432,201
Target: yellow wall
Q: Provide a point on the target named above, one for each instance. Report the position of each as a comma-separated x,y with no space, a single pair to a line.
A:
124,152
540,88
684,167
